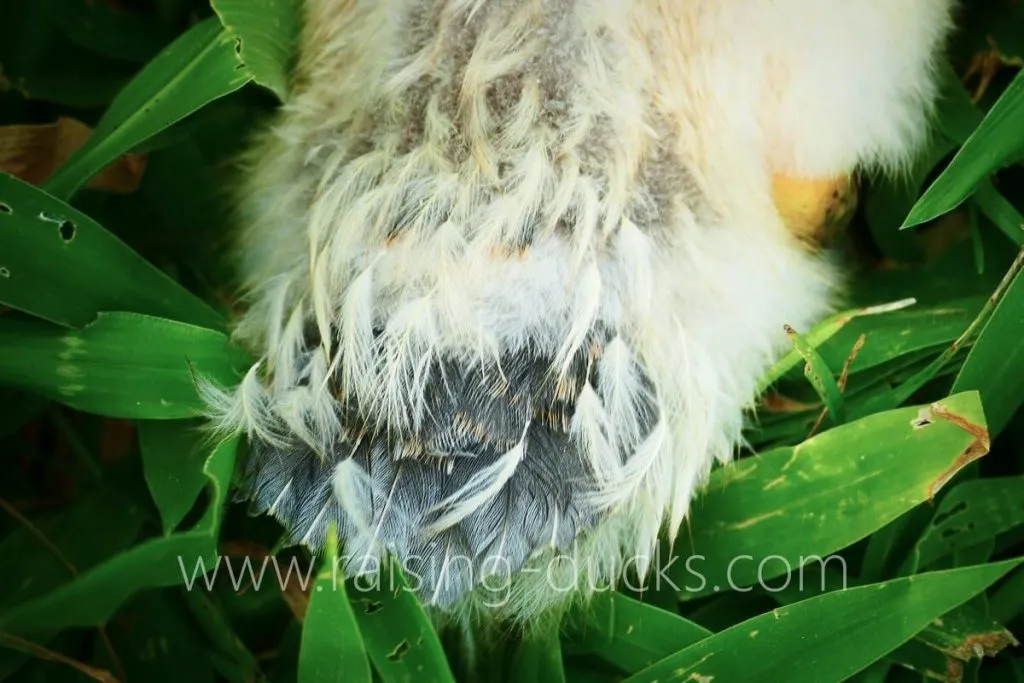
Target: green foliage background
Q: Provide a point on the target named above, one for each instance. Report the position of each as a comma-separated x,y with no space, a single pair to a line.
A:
870,439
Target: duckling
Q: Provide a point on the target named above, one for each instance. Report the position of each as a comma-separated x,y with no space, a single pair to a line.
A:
513,268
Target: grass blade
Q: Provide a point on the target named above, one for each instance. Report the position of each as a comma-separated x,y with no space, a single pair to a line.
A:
123,365
267,33
995,364
764,516
631,634
399,637
197,68
998,139
172,459
332,648
61,265
813,640
93,597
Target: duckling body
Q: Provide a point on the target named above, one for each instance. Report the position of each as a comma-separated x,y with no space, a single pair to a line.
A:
516,268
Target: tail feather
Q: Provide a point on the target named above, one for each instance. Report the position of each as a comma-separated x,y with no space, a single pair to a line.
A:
492,477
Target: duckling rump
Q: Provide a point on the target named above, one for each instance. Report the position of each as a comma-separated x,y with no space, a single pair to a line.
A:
515,268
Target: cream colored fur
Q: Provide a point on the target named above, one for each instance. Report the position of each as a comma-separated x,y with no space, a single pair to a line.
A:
730,91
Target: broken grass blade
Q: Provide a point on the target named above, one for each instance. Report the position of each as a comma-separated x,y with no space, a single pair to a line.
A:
821,333
820,376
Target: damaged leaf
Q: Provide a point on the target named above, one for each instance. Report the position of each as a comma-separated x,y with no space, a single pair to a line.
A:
200,66
762,517
970,513
267,33
59,264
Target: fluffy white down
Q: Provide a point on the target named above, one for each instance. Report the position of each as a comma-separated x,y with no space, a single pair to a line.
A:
735,91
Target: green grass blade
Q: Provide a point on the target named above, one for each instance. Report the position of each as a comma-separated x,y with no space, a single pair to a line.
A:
172,459
267,33
794,505
156,641
963,633
899,334
399,637
332,648
973,511
998,139
998,209
59,264
123,365
94,596
829,637
538,658
215,624
86,533
820,376
1007,601
199,67
631,634
820,334
995,364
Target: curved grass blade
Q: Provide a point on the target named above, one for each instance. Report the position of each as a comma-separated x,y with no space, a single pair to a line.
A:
764,516
59,264
202,65
820,376
95,595
820,334
829,637
267,33
332,648
123,365
899,334
172,460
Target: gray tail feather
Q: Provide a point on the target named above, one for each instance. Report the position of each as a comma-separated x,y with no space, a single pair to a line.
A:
543,504
475,417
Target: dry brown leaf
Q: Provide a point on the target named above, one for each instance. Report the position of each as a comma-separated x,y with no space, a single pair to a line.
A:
117,440
296,599
34,152
774,402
